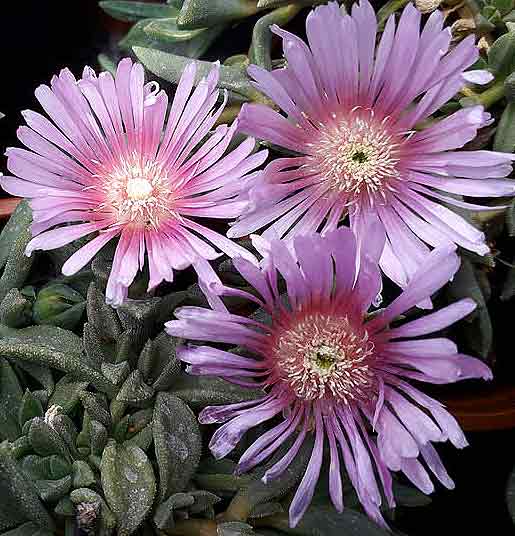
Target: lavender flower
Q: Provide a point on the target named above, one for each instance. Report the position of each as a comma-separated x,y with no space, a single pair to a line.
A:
330,370
354,117
110,163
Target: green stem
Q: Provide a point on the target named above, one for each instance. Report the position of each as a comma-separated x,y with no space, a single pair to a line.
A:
488,97
390,7
261,47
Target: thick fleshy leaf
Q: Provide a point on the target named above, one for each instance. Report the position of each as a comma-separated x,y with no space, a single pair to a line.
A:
13,241
52,347
177,441
501,55
129,485
133,11
30,408
257,492
505,133
170,67
477,329
261,46
134,390
350,523
202,14
164,516
67,393
11,396
201,391
15,310
20,501
101,315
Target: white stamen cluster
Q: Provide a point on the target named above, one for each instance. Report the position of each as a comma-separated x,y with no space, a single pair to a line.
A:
138,191
322,356
357,154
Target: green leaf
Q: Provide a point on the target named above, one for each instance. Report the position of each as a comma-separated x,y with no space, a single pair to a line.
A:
36,467
235,528
177,441
202,14
30,407
20,501
509,88
478,328
505,134
83,476
53,347
129,485
98,436
102,316
29,529
260,49
501,56
257,492
133,11
94,406
143,439
67,393
11,396
58,305
19,221
99,349
170,67
53,490
15,237
116,372
164,516
158,363
201,391
325,521
64,508
45,440
409,496
134,390
15,310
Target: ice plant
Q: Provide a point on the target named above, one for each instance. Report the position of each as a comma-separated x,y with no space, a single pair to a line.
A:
354,117
330,370
112,162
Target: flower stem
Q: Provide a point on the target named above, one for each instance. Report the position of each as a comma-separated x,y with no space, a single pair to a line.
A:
390,7
488,97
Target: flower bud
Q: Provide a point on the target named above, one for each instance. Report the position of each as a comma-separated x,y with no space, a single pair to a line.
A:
58,305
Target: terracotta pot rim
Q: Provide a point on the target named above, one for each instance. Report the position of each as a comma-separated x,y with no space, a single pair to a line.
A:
7,206
492,408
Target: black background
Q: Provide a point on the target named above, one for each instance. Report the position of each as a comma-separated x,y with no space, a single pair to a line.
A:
37,39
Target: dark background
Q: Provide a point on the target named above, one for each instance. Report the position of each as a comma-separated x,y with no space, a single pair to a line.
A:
37,39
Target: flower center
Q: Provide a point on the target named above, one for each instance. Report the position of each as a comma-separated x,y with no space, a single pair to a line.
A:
138,191
323,356
356,154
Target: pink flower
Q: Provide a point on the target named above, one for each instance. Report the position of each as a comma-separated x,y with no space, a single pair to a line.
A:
354,116
329,370
111,164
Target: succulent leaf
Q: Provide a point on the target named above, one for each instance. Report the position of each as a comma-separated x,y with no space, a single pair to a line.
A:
177,442
129,485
